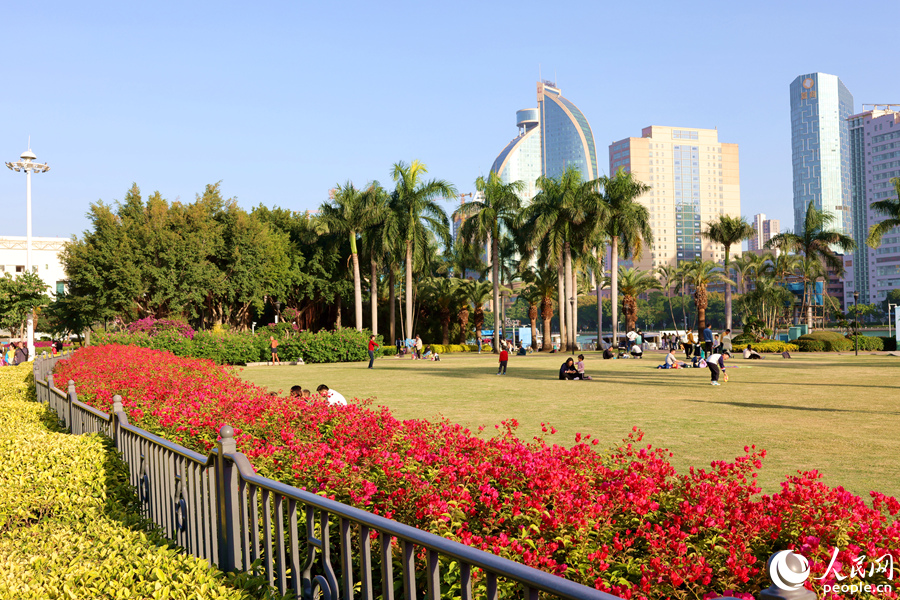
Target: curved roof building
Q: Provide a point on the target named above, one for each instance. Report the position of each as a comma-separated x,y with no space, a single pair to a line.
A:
552,137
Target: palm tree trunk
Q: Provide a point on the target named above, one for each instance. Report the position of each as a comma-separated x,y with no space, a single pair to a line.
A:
337,321
409,290
596,283
495,276
548,304
373,297
392,301
570,321
561,291
727,292
809,305
357,293
614,289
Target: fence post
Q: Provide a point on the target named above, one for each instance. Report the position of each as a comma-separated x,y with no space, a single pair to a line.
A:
50,386
227,492
114,421
72,397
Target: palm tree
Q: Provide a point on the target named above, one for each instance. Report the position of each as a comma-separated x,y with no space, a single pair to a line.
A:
627,228
441,294
544,282
668,279
700,274
727,231
815,242
478,293
413,201
379,241
462,303
632,283
889,207
483,221
533,296
349,212
553,219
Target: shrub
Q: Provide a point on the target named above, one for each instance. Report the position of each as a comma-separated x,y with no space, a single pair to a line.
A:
70,524
623,521
823,341
744,338
867,343
153,326
889,343
769,346
445,349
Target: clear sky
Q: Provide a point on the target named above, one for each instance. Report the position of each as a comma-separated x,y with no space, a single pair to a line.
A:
282,100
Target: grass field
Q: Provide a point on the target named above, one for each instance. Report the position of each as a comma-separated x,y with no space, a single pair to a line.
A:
839,414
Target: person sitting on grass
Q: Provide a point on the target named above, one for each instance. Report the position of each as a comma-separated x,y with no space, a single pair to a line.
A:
579,366
296,391
672,362
568,371
332,396
751,354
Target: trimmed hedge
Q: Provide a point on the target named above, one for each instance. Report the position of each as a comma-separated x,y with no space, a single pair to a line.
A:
744,338
442,349
867,342
768,346
70,523
240,348
823,341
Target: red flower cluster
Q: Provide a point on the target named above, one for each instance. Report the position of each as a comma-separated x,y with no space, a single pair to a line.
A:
622,521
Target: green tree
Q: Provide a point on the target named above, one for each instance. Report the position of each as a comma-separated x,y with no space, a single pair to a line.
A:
350,212
414,202
816,242
441,294
20,296
543,281
380,242
668,276
727,231
890,208
632,283
627,227
700,274
483,222
478,293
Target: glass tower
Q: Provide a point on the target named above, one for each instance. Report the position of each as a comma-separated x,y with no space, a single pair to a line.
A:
820,143
552,137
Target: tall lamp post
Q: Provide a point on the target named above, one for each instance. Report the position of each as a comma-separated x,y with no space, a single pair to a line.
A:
856,310
27,163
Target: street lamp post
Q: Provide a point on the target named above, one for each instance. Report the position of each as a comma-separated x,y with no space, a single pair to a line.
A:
856,310
573,336
27,163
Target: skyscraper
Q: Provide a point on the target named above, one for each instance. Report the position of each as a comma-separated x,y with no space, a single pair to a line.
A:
766,229
820,142
552,137
693,179
875,160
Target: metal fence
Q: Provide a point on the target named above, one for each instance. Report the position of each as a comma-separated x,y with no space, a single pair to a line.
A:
216,507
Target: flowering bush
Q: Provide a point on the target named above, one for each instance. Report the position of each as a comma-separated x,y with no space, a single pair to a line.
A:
623,521
153,327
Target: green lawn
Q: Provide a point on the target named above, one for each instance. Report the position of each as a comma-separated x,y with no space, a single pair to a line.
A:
839,414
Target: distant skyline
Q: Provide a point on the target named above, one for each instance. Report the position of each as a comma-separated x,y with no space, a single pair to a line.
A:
281,104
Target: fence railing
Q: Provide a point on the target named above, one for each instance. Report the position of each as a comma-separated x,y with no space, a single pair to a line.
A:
216,507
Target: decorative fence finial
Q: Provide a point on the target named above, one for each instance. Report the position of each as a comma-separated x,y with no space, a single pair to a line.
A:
788,572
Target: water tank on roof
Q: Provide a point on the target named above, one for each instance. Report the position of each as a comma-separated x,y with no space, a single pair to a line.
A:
527,117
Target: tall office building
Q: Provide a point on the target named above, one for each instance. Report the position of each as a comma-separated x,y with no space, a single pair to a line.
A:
874,161
766,229
820,142
552,137
693,179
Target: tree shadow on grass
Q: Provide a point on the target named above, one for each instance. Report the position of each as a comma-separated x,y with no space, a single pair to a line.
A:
789,407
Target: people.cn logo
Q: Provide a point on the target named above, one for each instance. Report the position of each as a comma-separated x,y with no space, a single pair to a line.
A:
788,570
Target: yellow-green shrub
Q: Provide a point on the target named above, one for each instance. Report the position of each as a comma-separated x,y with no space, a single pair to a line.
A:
769,346
70,524
444,349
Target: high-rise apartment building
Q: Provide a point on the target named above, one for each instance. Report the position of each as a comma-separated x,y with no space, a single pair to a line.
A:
552,137
875,160
766,229
693,179
820,143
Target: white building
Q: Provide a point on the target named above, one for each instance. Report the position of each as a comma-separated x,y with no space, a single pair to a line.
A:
44,257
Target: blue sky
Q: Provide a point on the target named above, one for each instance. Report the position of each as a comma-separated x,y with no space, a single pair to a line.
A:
282,100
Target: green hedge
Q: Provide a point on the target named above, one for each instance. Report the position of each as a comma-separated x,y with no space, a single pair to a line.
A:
769,346
240,348
823,341
744,338
867,343
442,349
71,525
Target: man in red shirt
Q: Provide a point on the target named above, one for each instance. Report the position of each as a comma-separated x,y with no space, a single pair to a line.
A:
504,358
372,345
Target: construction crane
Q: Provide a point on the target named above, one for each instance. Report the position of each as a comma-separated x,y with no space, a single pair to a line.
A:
463,196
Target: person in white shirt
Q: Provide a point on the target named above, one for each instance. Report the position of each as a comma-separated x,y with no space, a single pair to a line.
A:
716,362
332,396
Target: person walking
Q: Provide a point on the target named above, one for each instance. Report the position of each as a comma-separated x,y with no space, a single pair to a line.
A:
716,362
478,340
21,355
372,345
273,344
504,359
726,341
419,346
689,344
